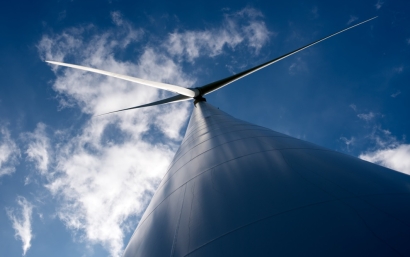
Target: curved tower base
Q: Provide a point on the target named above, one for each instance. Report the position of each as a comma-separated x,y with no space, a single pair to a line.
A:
237,189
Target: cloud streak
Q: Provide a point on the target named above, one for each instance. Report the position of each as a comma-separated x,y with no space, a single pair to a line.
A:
21,221
395,94
244,26
348,142
9,153
38,149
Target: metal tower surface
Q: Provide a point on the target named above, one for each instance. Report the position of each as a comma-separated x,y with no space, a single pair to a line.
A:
237,189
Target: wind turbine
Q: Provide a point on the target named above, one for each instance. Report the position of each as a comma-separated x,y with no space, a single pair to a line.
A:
237,189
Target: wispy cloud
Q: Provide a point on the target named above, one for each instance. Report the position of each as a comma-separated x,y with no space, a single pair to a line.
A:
245,26
379,4
353,106
297,66
366,116
21,221
395,94
352,19
408,41
38,148
348,142
106,173
9,152
383,138
116,18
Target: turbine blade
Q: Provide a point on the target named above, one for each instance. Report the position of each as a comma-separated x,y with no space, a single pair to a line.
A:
177,98
173,88
223,82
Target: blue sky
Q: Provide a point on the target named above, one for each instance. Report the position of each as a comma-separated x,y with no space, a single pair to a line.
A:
76,185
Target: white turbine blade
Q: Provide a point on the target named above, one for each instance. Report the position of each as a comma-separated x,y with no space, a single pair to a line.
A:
173,88
177,98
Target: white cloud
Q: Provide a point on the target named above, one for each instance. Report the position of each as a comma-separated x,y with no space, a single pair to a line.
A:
244,26
352,19
9,153
353,106
106,173
379,4
366,116
101,188
21,221
39,149
397,157
386,150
